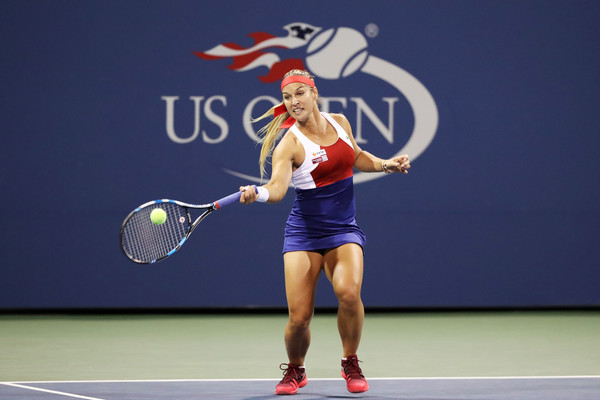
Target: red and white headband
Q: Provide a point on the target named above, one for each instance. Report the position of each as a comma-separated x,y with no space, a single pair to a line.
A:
297,78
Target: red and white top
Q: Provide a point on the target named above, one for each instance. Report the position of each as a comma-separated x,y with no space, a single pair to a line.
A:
324,165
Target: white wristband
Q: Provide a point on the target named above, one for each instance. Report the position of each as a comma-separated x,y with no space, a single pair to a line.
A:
263,194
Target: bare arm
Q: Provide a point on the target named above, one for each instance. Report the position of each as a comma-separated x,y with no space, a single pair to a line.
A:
367,162
281,174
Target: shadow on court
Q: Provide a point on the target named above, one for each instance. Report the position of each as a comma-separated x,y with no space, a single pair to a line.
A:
542,388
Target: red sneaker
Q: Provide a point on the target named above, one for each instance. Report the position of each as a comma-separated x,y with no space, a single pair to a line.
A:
351,372
294,377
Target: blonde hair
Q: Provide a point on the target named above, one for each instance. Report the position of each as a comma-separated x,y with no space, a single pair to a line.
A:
271,132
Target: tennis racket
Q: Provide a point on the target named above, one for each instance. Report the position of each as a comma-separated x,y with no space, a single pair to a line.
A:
146,242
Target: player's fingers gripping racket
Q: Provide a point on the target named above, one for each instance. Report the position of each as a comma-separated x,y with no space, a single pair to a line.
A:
159,228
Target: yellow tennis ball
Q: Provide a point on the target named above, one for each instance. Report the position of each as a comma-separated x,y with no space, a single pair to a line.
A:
158,216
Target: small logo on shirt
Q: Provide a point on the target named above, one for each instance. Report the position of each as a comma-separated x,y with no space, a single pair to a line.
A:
319,156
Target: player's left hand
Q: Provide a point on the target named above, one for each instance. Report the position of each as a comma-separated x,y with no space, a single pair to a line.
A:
398,164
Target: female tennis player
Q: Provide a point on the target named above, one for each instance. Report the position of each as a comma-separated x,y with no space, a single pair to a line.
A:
317,154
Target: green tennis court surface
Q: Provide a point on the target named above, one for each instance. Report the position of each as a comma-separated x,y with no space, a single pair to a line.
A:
201,349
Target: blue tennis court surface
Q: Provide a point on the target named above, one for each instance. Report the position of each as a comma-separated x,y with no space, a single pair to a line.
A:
496,388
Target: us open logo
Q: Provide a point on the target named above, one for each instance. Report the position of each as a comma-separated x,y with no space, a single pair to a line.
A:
333,54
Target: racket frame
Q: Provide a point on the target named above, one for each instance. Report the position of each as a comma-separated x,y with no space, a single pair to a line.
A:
208,208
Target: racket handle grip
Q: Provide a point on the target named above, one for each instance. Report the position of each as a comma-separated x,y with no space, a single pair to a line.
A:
227,200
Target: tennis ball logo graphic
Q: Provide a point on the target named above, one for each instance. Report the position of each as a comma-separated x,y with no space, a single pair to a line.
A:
336,53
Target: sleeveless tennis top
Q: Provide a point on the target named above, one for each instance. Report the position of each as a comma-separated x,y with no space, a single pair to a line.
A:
324,165
323,215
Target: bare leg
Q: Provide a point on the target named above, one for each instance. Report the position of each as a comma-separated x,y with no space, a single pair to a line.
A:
344,268
302,271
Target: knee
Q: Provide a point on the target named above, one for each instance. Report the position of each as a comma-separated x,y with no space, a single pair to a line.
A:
300,319
349,296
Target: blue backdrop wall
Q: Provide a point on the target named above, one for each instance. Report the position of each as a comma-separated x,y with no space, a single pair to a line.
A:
106,105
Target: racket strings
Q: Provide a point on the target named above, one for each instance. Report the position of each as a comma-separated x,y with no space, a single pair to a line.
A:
145,241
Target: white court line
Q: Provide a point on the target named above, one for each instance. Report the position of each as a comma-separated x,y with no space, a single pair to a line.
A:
49,391
314,379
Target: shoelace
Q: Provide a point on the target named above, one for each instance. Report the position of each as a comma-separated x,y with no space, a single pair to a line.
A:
290,373
352,369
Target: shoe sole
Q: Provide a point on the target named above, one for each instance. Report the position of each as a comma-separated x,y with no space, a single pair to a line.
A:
300,385
362,390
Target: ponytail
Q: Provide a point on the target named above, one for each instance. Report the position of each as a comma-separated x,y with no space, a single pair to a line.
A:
270,133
